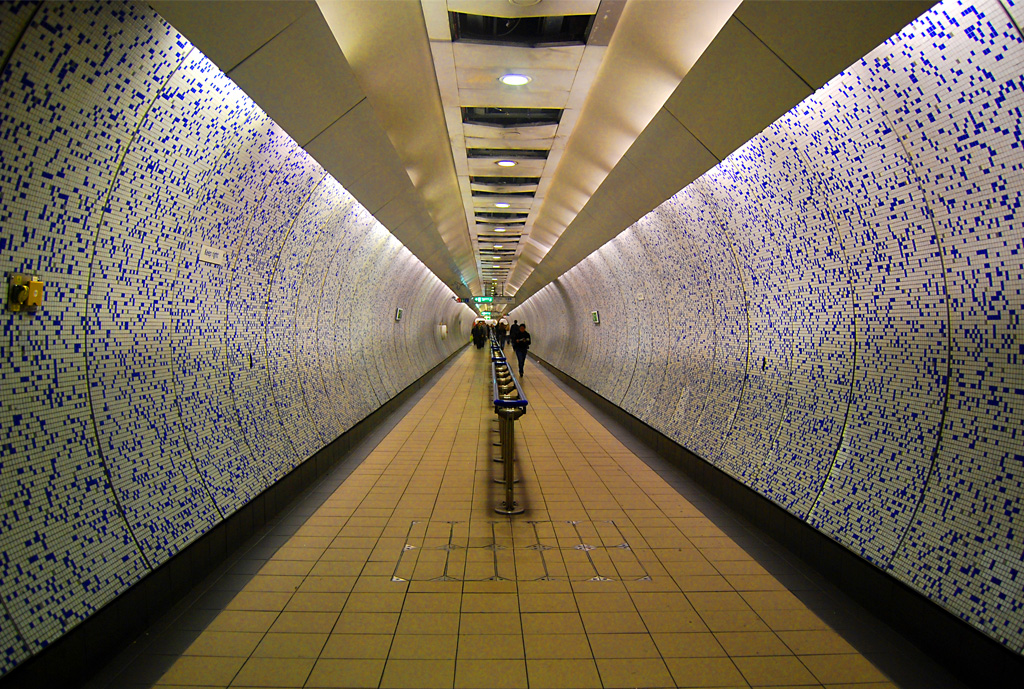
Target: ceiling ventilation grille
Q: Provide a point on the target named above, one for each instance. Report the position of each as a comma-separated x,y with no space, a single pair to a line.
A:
531,154
510,117
530,32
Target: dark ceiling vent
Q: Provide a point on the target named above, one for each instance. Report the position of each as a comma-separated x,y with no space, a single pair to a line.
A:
488,192
487,215
531,32
504,181
510,117
505,238
521,153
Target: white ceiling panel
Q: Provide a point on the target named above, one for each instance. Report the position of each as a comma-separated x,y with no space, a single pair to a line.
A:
526,167
480,131
543,80
505,8
516,59
229,32
533,144
502,98
303,56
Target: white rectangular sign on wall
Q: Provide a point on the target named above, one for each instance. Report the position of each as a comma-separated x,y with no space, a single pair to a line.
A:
209,254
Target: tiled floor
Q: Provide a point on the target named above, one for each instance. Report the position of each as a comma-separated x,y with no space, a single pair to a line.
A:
397,572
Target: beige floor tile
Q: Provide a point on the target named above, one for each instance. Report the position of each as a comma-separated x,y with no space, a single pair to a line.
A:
752,644
686,621
490,602
705,672
418,674
327,584
844,668
242,621
754,582
286,568
792,620
688,645
774,671
716,600
733,621
634,672
693,582
660,601
239,644
613,623
429,623
819,642
547,602
355,674
308,622
357,646
274,672
432,602
623,646
263,582
496,674
423,646
548,646
337,568
295,645
605,602
201,670
490,623
316,602
490,646
773,600
563,674
366,623
374,602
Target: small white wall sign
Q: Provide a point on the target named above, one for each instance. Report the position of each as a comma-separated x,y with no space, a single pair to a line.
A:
209,254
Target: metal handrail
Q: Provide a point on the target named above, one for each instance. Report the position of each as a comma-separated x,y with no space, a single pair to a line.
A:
508,410
498,357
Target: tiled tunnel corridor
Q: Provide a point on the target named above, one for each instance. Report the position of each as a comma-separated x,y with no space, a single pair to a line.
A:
396,571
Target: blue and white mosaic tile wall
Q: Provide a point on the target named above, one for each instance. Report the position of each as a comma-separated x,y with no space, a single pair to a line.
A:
840,307
153,395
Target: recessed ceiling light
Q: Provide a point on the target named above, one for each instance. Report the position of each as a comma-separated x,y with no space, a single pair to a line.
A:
506,163
499,229
514,79
502,205
497,246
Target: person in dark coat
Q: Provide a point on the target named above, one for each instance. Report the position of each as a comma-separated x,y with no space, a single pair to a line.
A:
479,334
520,344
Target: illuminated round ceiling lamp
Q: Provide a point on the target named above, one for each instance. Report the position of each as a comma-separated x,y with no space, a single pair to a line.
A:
506,163
502,205
514,79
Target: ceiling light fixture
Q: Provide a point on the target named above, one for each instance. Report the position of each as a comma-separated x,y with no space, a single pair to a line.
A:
514,79
499,229
502,205
497,246
506,163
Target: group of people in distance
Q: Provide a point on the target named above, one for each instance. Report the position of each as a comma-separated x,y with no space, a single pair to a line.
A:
516,333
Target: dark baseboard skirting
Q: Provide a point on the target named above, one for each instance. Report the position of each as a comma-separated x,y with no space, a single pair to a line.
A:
73,658
973,657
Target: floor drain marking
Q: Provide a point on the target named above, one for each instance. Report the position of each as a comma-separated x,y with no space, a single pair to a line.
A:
526,553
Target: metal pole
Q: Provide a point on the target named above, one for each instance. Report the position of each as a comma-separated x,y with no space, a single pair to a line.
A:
508,456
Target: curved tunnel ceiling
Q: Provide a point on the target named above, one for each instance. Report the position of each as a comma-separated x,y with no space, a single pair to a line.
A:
655,95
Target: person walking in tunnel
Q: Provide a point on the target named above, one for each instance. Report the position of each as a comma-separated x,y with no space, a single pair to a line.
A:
479,334
502,332
520,344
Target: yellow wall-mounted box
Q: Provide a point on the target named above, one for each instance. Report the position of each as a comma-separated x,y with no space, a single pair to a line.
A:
25,292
